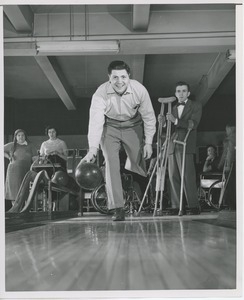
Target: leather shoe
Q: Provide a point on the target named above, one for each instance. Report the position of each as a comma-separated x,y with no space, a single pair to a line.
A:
119,214
194,211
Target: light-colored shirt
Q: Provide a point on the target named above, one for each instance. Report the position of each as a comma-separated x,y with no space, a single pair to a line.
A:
53,145
106,102
180,109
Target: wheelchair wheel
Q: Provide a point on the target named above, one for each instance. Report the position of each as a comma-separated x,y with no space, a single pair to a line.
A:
99,199
214,194
203,198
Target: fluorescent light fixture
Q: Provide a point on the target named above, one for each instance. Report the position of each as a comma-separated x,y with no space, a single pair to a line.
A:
76,47
231,55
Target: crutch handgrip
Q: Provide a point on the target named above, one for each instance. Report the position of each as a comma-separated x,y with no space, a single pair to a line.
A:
167,100
179,142
190,127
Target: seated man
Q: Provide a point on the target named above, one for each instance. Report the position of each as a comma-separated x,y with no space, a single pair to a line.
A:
212,160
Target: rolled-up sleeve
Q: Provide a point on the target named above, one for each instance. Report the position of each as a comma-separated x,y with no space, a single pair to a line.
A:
96,120
148,116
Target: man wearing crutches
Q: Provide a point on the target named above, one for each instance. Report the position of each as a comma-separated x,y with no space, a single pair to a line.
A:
185,117
121,114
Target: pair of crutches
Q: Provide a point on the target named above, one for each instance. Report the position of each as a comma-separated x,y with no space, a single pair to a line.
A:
162,158
183,143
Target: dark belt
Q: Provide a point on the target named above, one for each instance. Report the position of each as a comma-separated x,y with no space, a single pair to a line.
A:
134,121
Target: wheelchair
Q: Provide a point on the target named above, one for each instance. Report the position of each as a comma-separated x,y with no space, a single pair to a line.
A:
212,188
131,192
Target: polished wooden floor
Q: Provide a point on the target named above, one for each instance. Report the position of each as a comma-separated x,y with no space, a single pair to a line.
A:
92,253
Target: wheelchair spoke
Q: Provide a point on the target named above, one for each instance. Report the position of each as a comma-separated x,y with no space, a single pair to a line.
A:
99,199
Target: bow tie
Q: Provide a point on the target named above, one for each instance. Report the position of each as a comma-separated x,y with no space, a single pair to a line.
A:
181,103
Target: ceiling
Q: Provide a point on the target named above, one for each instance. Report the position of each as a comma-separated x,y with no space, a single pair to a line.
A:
162,44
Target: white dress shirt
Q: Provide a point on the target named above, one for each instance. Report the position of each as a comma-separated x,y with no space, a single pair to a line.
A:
180,109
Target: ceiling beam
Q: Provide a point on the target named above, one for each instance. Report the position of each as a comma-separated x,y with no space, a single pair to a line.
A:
51,69
141,15
20,16
20,49
211,81
177,45
8,27
148,45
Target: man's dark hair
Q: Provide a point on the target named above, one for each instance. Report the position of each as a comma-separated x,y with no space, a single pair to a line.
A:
118,65
212,146
180,83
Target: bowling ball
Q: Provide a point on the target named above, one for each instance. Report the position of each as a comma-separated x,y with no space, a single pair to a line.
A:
61,178
88,175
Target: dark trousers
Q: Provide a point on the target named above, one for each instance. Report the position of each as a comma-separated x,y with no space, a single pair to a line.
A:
190,187
230,190
8,205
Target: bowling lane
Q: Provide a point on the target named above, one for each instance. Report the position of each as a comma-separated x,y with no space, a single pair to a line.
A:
94,254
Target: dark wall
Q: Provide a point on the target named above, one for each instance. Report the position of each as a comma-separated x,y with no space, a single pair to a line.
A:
221,107
217,113
35,115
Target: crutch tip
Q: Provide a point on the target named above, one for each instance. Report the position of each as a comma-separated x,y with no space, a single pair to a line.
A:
180,213
159,212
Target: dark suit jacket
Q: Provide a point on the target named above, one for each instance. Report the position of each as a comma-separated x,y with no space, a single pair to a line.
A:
192,111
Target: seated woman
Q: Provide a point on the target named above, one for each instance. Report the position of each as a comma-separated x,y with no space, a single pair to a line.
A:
212,160
21,153
54,148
